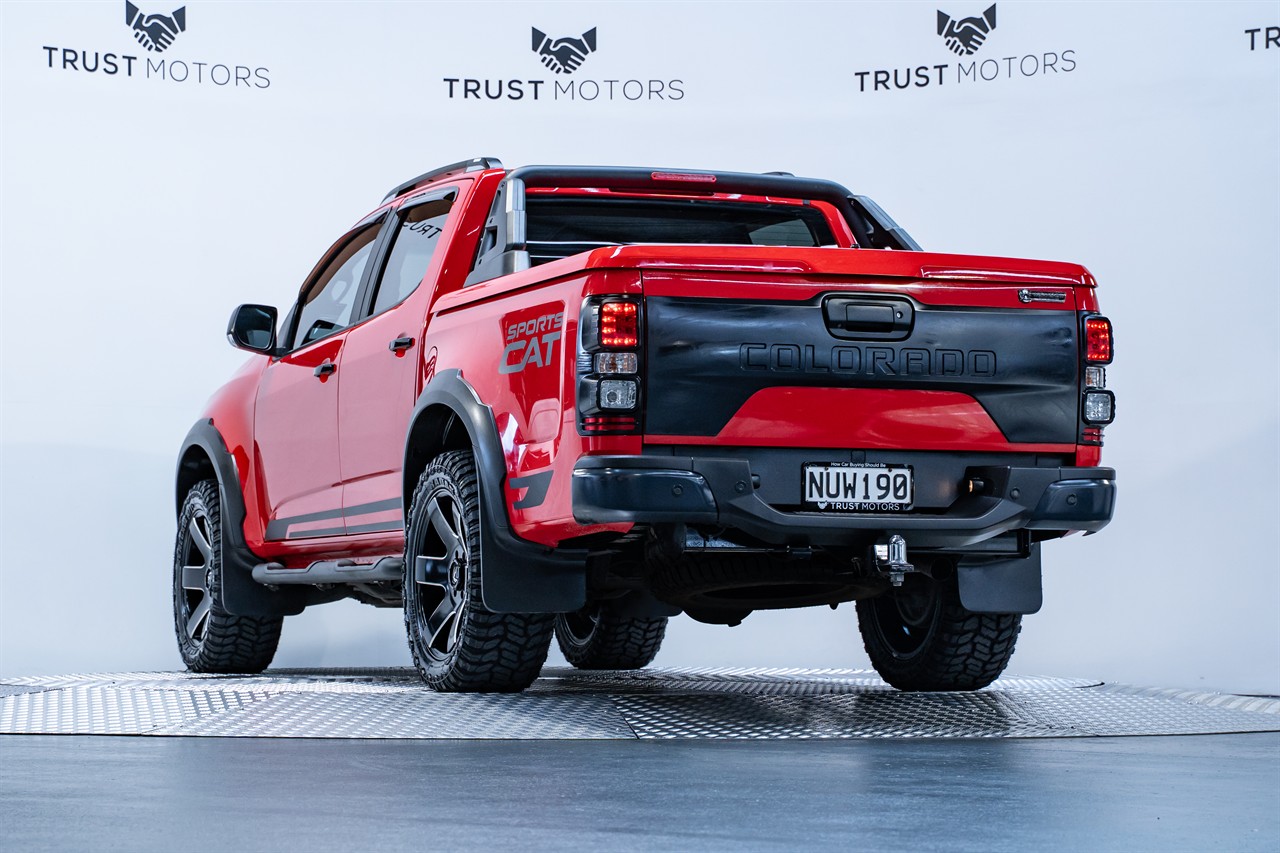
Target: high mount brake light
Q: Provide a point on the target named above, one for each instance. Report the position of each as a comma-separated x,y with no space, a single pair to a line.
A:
685,177
619,324
1097,332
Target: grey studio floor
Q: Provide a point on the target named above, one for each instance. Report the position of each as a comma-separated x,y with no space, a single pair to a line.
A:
1113,793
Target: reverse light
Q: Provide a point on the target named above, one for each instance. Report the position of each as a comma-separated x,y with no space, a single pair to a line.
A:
1097,333
618,394
619,324
1099,407
617,362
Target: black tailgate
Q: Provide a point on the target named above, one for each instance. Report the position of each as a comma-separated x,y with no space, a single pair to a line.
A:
707,356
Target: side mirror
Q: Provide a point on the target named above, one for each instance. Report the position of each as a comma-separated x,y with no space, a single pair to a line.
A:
253,327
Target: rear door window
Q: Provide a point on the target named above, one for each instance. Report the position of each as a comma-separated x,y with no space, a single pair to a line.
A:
414,243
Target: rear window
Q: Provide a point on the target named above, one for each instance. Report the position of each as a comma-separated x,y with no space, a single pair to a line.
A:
559,227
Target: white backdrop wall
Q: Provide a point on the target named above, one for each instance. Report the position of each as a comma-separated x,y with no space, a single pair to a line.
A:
138,210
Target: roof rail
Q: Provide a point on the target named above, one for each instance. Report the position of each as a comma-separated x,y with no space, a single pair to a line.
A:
473,165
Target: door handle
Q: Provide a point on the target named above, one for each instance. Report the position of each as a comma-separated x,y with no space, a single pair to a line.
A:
886,318
325,369
399,345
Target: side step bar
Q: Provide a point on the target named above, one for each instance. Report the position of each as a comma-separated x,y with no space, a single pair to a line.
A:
332,571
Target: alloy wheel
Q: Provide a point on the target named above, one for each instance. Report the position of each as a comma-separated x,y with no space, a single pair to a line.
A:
196,600
441,564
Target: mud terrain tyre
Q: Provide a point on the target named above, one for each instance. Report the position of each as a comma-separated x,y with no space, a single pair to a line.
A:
457,644
597,637
919,637
209,638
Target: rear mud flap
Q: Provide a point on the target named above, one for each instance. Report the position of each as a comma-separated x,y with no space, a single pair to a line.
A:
1001,585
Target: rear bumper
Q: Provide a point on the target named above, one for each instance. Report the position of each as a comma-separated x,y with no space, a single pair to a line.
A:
693,490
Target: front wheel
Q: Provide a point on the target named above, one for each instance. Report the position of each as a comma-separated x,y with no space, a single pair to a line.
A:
209,638
597,637
458,644
920,637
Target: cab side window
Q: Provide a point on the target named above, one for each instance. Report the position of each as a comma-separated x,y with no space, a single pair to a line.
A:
327,305
413,246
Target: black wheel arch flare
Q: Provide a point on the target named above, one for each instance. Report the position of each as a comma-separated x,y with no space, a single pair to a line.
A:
518,576
204,455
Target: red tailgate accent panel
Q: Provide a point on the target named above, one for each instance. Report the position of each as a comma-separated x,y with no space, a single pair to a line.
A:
862,418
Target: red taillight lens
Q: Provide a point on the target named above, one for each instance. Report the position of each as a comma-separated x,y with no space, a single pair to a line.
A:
619,324
1097,333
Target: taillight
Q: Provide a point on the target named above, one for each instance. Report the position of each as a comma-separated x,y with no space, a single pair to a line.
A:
1097,405
1097,340
619,324
609,381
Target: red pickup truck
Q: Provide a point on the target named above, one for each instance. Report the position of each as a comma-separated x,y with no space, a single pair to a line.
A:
581,400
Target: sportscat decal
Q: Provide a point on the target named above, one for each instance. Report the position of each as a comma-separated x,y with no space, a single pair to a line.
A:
530,341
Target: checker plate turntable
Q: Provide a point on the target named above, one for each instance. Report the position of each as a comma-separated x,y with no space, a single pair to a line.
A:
655,704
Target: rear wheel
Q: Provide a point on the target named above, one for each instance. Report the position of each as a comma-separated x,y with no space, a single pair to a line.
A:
919,637
596,637
458,644
209,638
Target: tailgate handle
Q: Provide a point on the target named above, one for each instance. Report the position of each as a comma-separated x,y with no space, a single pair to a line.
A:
871,319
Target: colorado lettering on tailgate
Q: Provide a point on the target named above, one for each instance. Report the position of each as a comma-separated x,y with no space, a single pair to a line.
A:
870,361
531,342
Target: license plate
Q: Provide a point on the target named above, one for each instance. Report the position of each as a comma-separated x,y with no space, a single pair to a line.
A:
858,488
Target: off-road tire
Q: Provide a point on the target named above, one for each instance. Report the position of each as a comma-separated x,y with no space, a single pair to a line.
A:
214,641
597,637
919,637
478,651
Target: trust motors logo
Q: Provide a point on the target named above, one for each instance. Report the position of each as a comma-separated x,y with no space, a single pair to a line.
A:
563,57
156,30
965,36
1263,38
1016,53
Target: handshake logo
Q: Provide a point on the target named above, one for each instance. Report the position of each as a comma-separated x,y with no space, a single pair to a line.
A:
155,32
964,37
564,55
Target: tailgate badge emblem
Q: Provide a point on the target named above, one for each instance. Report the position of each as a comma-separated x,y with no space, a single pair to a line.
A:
1025,295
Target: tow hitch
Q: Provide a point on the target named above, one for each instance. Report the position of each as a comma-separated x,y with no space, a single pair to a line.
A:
890,559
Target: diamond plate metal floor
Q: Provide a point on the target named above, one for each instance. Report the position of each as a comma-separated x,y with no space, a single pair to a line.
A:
656,704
